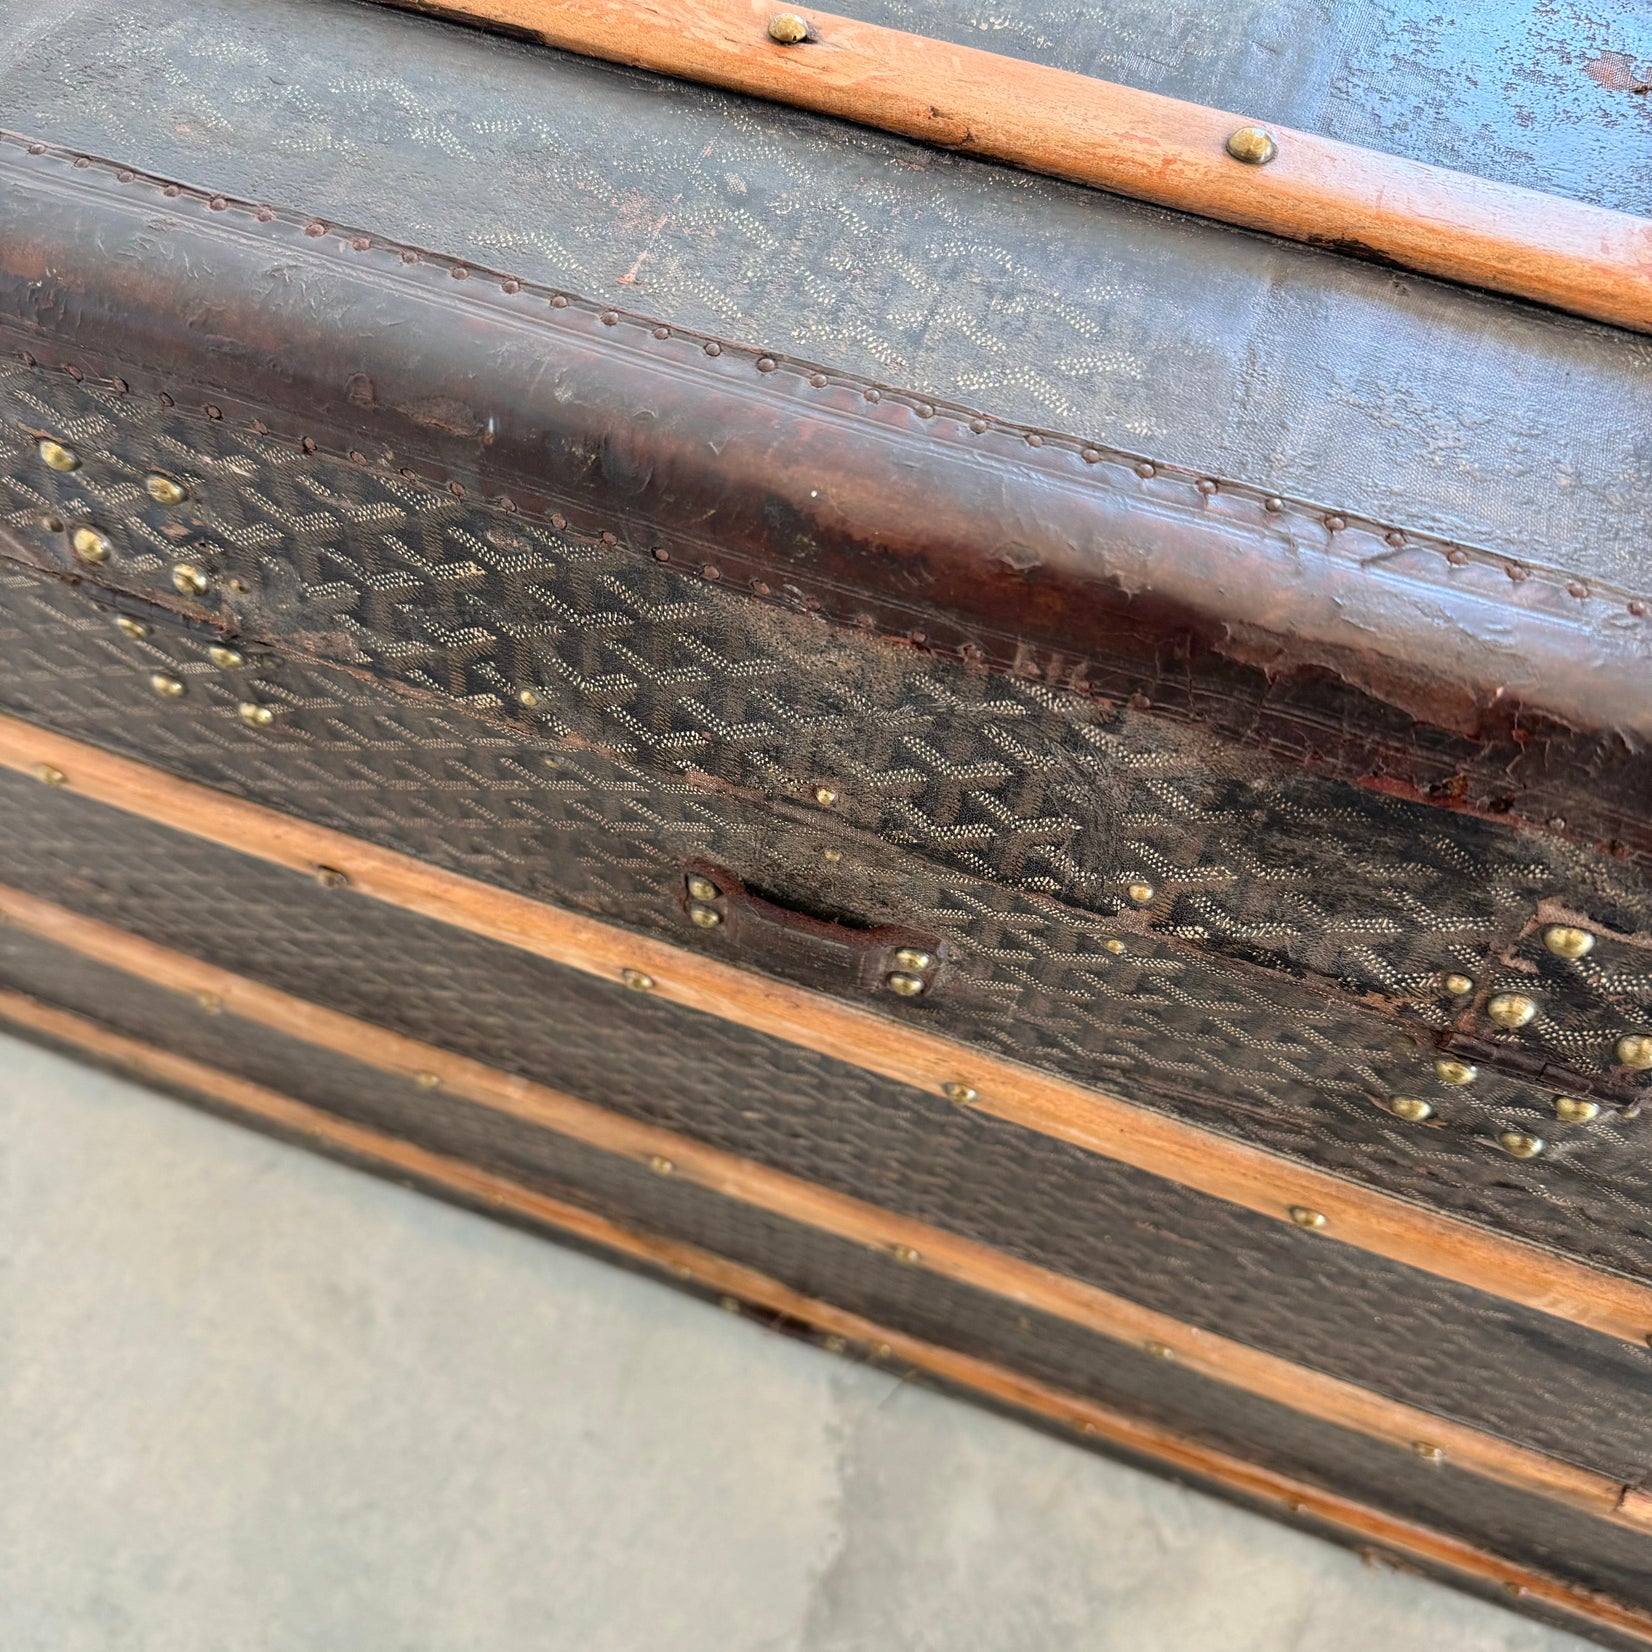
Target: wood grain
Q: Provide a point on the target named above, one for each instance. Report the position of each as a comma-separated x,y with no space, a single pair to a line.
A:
1352,1521
1549,249
930,1248
1087,1118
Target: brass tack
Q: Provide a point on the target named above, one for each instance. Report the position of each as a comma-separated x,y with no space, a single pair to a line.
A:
1252,145
831,856
50,775
188,580
1459,986
1141,893
428,1080
1412,1108
1634,1050
1455,1072
834,1345
255,715
905,986
135,629
1113,945
1428,1452
786,28
1160,1350
882,1350
637,980
825,796
707,917
168,687
703,889
1305,1218
1511,1009
910,957
1517,1144
1576,1109
210,1002
906,1254
959,1093
91,546
729,1304
1567,941
526,697
329,877
163,490
226,658
660,1165
57,456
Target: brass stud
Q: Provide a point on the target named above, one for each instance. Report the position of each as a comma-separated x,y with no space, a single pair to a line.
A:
1511,1009
1160,1350
1412,1108
1305,1218
1517,1144
168,687
49,774
1141,893
163,490
729,1304
210,1002
707,917
1448,1071
1566,941
909,957
1252,145
703,889
831,856
959,1093
637,980
660,1165
1429,1452
57,456
527,697
130,627
1459,986
329,877
226,659
188,580
1114,946
825,796
905,986
786,28
1634,1050
91,546
428,1080
834,1344
906,1254
1576,1109
255,715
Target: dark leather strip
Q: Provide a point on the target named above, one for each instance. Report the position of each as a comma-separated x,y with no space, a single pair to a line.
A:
1409,663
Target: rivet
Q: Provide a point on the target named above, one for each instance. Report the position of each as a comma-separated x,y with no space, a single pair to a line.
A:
188,580
1412,1108
210,1002
909,957
1336,523
329,877
90,545
834,1345
729,1304
1511,1009
1146,469
227,659
959,1093
786,28
825,796
1251,145
707,917
1634,1050
130,627
49,775
1565,941
1141,893
526,697
168,687
1519,1145
1575,1109
255,715
906,1254
1273,503
428,1081
637,980
1428,1452
1113,945
1459,986
1160,1350
1305,1218
57,456
1455,1072
163,490
1206,485
832,856
660,1165
703,889
906,986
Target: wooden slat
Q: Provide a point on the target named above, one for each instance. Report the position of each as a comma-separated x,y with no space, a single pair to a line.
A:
1586,259
744,1285
1267,1376
908,1054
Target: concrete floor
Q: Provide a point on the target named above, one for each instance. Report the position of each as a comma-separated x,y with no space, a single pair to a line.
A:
253,1400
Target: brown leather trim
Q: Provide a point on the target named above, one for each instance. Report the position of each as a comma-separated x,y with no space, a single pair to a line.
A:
1170,1451
1586,259
1090,1119
1395,659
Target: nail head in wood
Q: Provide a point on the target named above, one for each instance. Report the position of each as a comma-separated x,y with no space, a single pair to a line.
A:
1252,145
